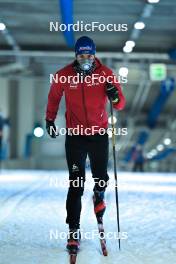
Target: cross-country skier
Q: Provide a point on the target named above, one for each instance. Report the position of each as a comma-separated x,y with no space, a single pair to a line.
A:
138,158
86,109
3,123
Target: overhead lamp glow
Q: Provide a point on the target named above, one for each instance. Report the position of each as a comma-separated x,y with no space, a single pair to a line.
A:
2,26
38,132
127,49
153,152
153,1
167,141
149,155
139,25
123,71
130,43
160,147
110,120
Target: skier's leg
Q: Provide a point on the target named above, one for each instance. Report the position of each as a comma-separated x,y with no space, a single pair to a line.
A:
141,167
76,157
98,153
135,168
138,167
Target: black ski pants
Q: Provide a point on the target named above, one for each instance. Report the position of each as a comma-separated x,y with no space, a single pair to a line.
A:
77,148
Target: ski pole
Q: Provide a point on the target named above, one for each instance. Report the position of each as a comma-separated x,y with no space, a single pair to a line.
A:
115,169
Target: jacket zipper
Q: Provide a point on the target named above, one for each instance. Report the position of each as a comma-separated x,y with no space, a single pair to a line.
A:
84,105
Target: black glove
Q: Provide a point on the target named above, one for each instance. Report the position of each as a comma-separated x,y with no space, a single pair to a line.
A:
112,93
51,128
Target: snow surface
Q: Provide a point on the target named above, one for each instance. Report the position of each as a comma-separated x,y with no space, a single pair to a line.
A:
31,206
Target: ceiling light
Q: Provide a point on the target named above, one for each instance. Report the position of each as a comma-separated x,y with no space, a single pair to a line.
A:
139,25
153,1
38,132
160,147
2,26
123,71
153,152
127,49
149,155
167,141
130,43
110,120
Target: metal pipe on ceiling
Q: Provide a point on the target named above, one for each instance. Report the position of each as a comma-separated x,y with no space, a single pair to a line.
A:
70,54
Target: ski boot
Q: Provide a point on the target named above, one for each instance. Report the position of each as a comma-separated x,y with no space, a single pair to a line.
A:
99,203
73,244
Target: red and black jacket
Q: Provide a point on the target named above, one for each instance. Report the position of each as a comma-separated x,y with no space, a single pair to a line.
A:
85,103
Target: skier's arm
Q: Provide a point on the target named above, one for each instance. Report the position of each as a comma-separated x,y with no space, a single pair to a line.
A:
116,92
54,97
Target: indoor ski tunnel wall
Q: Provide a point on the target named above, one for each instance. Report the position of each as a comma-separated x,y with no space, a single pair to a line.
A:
164,154
172,54
166,89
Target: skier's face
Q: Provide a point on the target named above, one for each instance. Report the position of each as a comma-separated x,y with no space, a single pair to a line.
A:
85,61
85,56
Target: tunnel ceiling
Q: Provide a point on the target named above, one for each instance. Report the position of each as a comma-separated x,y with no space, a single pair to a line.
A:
28,22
